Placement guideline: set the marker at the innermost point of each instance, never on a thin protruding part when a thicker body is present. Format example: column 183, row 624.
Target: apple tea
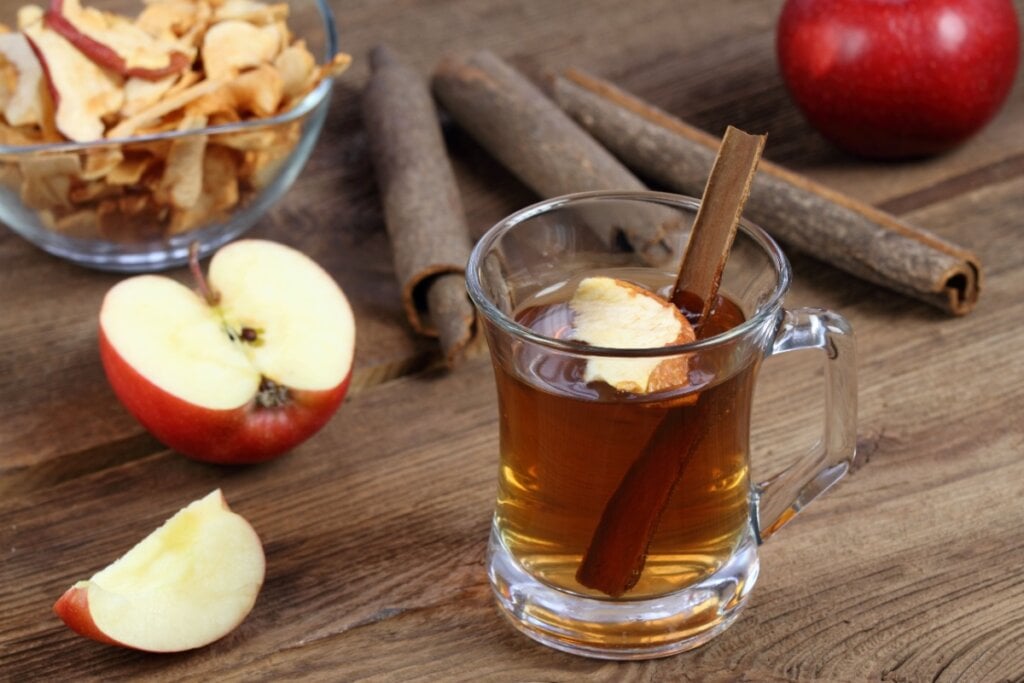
column 572, row 450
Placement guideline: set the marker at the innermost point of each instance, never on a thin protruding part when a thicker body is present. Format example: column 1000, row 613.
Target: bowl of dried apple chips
column 131, row 130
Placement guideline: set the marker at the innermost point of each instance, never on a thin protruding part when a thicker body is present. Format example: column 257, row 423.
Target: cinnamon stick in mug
column 422, row 207
column 618, row 548
column 808, row 216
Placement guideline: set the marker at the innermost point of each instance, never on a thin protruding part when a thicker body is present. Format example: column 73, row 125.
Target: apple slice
column 618, row 314
column 82, row 92
column 113, row 42
column 238, row 376
column 184, row 586
column 24, row 106
column 233, row 45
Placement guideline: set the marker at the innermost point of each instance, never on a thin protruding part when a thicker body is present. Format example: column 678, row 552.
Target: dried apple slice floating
column 114, row 43
column 618, row 314
column 185, row 585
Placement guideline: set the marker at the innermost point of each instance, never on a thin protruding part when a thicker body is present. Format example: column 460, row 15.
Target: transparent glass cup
column 627, row 524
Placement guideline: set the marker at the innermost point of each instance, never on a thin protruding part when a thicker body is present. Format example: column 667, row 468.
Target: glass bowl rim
column 767, row 310
column 299, row 110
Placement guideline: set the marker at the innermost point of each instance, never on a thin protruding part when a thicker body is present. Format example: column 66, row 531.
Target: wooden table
column 375, row 529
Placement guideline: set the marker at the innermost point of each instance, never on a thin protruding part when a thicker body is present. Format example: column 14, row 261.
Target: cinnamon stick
column 422, row 208
column 524, row 130
column 617, row 552
column 806, row 215
column 718, row 218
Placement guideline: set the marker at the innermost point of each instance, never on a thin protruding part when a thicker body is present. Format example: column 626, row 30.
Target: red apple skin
column 54, row 95
column 73, row 610
column 244, row 435
column 898, row 78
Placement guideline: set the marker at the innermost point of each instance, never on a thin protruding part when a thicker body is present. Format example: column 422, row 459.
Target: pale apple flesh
column 242, row 380
column 613, row 313
column 185, row 585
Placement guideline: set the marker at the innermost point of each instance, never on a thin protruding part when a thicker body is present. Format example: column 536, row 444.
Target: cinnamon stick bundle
column 422, row 207
column 524, row 130
column 806, row 215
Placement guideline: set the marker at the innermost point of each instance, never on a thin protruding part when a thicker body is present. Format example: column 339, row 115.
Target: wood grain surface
column 375, row 530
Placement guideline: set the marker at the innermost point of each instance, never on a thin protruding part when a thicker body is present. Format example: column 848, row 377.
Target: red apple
column 242, row 374
column 184, row 586
column 898, row 78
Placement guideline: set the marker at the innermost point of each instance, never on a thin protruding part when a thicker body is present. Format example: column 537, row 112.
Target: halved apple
column 113, row 42
column 184, row 586
column 617, row 314
column 240, row 376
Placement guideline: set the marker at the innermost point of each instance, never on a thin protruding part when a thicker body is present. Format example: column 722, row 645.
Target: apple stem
column 212, row 297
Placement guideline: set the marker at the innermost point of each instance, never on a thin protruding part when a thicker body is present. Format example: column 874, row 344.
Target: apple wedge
column 617, row 314
column 115, row 43
column 184, row 586
column 241, row 374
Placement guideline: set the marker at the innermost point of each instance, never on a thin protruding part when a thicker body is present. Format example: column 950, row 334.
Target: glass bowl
column 49, row 195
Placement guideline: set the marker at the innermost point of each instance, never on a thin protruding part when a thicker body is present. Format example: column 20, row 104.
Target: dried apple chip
column 83, row 92
column 297, row 67
column 220, row 192
column 80, row 223
column 92, row 191
column 46, row 179
column 99, row 162
column 23, row 104
column 232, row 45
column 258, row 91
column 173, row 17
column 130, row 218
column 182, row 181
column 113, row 42
column 171, row 103
column 131, row 168
column 140, row 93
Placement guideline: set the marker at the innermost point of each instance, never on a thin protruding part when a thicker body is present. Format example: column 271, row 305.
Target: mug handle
column 779, row 499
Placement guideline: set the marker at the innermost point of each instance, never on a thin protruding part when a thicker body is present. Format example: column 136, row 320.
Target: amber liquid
column 566, row 446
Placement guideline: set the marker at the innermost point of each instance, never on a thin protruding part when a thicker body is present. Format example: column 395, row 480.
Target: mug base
column 617, row 629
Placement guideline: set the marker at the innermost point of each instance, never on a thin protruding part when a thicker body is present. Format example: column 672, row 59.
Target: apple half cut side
column 241, row 380
column 185, row 585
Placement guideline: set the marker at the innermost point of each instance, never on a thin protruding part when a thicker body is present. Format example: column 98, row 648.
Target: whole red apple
column 241, row 372
column 898, row 78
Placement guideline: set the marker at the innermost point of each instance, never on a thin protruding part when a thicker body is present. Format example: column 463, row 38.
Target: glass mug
column 626, row 524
